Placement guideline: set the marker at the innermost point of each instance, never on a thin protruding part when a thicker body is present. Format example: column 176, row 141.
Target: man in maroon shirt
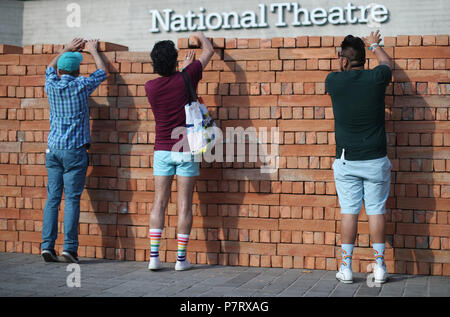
column 167, row 97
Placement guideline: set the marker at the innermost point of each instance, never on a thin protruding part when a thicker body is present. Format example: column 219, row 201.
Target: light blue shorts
column 166, row 163
column 358, row 181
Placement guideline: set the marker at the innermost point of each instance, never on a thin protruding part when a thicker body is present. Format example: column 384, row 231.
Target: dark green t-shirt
column 358, row 105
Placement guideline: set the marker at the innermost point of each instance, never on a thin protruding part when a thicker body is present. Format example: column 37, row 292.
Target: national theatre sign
column 286, row 14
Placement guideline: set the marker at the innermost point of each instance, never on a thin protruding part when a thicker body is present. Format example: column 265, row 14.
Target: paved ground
column 29, row 275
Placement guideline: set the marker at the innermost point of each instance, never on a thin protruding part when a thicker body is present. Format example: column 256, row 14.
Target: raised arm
column 373, row 42
column 75, row 45
column 91, row 47
column 207, row 48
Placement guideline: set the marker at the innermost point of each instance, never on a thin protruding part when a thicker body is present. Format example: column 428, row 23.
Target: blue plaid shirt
column 69, row 108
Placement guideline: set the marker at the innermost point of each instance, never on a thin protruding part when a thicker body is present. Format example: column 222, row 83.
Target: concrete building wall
column 11, row 13
column 127, row 22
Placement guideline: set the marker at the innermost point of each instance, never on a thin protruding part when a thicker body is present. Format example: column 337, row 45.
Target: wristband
column 373, row 47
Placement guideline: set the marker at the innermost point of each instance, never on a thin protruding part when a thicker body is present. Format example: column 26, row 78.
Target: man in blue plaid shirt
column 69, row 138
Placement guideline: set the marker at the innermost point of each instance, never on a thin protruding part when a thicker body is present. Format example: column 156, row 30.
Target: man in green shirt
column 361, row 168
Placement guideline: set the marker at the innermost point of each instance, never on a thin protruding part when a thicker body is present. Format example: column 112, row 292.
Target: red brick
column 43, row 59
column 9, row 59
column 244, row 77
column 422, row 52
column 135, row 79
column 415, row 40
column 314, row 41
column 429, row 40
column 442, row 39
column 231, row 43
column 10, row 49
column 36, row 80
column 402, row 40
column 9, row 80
column 304, row 53
column 250, row 54
column 302, row 41
column 389, row 41
column 110, row 47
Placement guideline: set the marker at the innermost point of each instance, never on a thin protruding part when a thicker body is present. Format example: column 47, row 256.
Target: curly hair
column 354, row 49
column 164, row 56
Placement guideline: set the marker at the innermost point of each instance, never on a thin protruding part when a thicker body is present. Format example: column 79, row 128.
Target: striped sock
column 379, row 253
column 183, row 240
column 155, row 238
column 347, row 253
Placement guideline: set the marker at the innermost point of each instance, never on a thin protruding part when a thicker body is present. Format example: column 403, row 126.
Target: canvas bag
column 199, row 124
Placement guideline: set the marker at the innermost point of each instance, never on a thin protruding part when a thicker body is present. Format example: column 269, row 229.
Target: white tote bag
column 199, row 124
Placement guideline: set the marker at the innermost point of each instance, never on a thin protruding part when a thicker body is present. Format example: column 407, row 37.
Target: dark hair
column 164, row 56
column 354, row 49
column 74, row 73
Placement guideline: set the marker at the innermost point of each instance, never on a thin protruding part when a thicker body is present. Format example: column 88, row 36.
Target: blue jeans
column 66, row 169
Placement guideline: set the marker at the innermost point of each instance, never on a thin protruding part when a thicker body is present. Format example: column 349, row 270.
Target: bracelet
column 373, row 47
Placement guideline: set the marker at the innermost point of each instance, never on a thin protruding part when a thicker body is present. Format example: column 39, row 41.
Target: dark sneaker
column 49, row 256
column 71, row 257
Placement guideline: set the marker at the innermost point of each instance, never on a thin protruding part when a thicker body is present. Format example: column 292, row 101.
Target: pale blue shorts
column 166, row 163
column 362, row 181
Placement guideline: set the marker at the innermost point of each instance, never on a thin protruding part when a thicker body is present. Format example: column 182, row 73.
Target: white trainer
column 155, row 263
column 183, row 265
column 379, row 274
column 345, row 275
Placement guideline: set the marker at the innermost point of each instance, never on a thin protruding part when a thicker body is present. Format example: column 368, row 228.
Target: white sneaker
column 155, row 263
column 379, row 274
column 183, row 265
column 345, row 275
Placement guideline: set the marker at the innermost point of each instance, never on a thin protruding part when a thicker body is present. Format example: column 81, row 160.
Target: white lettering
column 226, row 20
column 201, row 17
column 157, row 18
column 379, row 13
column 336, row 16
column 363, row 14
column 297, row 11
column 280, row 7
column 349, row 10
column 248, row 20
column 319, row 16
column 190, row 17
column 178, row 23
column 263, row 13
column 210, row 18
column 372, row 15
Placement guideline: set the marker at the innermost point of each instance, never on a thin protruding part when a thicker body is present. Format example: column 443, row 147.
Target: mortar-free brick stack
column 287, row 219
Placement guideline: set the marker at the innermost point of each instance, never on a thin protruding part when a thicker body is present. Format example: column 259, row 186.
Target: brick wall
column 288, row 219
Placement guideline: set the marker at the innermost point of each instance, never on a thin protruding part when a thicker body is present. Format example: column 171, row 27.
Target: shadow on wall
column 207, row 222
column 414, row 139
column 102, row 181
column 223, row 221
column 220, row 191
column 232, row 192
column 114, row 179
column 413, row 208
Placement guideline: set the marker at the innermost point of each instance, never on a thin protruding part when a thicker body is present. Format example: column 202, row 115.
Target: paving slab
column 27, row 275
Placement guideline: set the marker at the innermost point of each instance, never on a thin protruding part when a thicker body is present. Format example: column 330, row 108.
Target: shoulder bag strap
column 192, row 95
